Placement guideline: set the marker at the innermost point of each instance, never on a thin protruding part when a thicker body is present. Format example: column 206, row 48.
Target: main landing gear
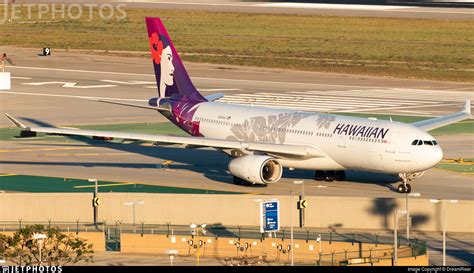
column 329, row 176
column 407, row 177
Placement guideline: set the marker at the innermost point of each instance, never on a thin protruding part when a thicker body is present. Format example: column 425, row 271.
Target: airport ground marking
column 105, row 185
column 332, row 6
column 68, row 96
column 203, row 78
column 104, row 154
column 69, row 85
column 48, row 149
column 219, row 89
column 129, row 82
column 454, row 172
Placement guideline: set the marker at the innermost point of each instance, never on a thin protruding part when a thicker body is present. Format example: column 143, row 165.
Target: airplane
column 263, row 141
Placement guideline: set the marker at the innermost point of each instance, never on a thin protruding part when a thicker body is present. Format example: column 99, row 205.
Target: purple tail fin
column 171, row 76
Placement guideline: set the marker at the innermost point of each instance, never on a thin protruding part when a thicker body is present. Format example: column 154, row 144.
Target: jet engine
column 257, row 169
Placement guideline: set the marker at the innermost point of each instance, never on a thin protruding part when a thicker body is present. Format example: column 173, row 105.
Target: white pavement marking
column 330, row 6
column 21, row 78
column 207, row 79
column 80, row 71
column 128, row 82
column 405, row 94
column 68, row 96
column 70, row 85
column 219, row 89
column 350, row 101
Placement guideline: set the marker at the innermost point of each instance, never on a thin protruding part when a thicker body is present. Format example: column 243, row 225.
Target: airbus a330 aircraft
column 262, row 141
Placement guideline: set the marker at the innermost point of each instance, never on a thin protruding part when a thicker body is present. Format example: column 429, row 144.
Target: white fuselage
column 349, row 142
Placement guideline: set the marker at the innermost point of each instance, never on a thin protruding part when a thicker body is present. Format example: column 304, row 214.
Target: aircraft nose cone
column 436, row 155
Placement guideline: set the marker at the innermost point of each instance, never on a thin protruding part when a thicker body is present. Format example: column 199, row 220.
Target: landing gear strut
column 407, row 177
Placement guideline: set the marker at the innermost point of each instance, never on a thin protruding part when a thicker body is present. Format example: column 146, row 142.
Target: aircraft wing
column 434, row 123
column 282, row 150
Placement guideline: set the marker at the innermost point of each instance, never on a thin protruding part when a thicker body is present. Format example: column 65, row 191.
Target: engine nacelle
column 257, row 169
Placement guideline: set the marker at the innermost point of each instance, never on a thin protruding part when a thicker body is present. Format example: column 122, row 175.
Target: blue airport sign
column 270, row 216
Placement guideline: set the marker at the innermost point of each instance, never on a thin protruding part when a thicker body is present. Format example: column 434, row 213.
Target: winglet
column 16, row 122
column 467, row 107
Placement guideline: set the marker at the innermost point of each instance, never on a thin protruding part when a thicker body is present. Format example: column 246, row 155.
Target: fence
column 308, row 234
column 376, row 249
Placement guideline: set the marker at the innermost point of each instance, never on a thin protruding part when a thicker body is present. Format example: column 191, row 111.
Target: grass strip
column 409, row 48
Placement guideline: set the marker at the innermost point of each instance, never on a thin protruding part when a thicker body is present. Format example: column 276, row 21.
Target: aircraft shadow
column 381, row 179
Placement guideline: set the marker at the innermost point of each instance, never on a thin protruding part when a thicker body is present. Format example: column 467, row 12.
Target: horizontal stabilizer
column 431, row 124
column 16, row 122
column 214, row 97
column 130, row 104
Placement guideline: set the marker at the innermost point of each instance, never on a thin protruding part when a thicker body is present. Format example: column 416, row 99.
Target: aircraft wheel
column 340, row 175
column 408, row 188
column 319, row 175
column 330, row 176
column 402, row 188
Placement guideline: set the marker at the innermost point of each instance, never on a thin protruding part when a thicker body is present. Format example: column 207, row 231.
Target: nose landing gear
column 407, row 177
column 404, row 188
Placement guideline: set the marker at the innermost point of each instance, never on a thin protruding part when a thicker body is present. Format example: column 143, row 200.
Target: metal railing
column 113, row 229
column 213, row 230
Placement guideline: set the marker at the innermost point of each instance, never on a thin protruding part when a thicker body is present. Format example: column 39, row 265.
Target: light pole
column 94, row 196
column 395, row 237
column 291, row 228
column 298, row 182
column 133, row 204
column 301, row 198
column 195, row 231
column 319, row 240
column 413, row 194
column 443, row 215
column 39, row 237
column 171, row 253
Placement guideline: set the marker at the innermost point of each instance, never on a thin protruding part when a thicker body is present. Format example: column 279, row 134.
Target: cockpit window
column 425, row 142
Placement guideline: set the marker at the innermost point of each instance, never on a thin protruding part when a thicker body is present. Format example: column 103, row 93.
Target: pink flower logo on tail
column 156, row 47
